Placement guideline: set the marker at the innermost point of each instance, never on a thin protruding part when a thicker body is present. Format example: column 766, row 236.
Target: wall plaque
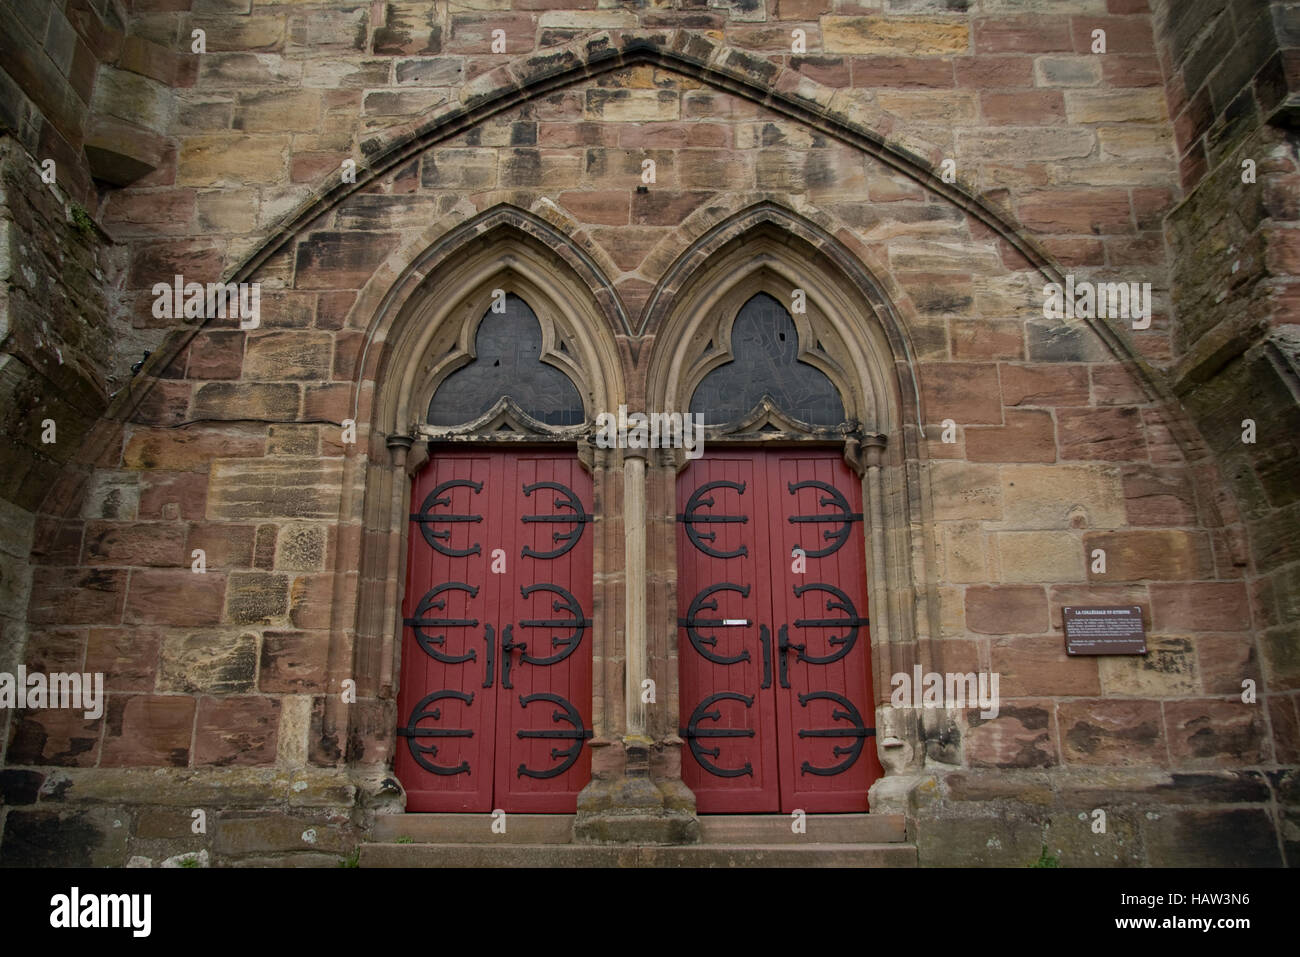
column 1104, row 630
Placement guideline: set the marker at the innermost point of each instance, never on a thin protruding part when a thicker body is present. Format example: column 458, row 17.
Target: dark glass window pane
column 508, row 349
column 765, row 345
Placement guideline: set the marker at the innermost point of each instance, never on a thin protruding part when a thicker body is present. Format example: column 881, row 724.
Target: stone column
column 629, row 807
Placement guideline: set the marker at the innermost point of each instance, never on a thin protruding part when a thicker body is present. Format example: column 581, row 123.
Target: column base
column 628, row 807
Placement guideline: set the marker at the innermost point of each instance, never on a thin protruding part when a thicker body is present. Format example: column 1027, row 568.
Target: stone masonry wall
column 220, row 683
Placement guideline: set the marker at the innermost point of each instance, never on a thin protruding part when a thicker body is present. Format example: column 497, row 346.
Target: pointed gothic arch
column 423, row 330
column 770, row 250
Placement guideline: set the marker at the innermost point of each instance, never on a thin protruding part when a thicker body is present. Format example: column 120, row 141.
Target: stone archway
column 850, row 332
column 422, row 331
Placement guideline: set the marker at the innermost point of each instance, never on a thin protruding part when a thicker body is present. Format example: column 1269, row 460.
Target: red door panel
column 725, row 642
column 549, row 698
column 828, row 756
column 490, row 550
column 805, row 661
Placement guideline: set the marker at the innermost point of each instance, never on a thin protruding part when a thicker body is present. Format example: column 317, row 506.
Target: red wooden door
column 495, row 700
column 777, row 708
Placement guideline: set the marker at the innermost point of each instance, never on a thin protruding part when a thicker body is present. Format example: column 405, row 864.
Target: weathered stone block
column 1112, row 732
column 1061, row 496
column 1051, row 556
column 267, row 832
column 232, row 161
column 275, row 490
column 1006, row 610
column 211, row 662
column 1040, row 666
column 1200, row 606
column 1167, row 670
column 174, row 597
column 1160, row 555
column 1023, row 736
column 149, row 730
column 295, row 662
column 1213, row 733
column 255, row 597
column 232, row 401
column 236, row 731
column 1239, row 837
column 137, row 543
column 913, row 36
column 93, row 837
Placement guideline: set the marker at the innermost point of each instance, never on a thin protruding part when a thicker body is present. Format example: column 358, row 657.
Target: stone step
column 472, row 829
column 691, row 855
column 763, row 829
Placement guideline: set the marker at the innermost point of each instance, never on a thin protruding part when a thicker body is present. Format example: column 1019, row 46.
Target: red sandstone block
column 1213, row 733
column 175, row 597
column 225, row 546
column 1023, row 108
column 870, row 72
column 1158, row 496
column 1073, row 251
column 1040, row 666
column 237, row 731
column 994, row 72
column 59, row 649
column 1077, row 211
column 1044, row 385
column 1108, row 434
column 333, row 402
column 66, row 596
column 987, row 339
column 148, row 730
column 665, row 208
column 60, row 736
column 1112, row 731
column 1200, row 606
column 127, row 657
column 173, row 495
column 332, row 309
column 1123, row 34
column 966, row 392
column 134, row 543
column 1156, row 554
column 472, row 33
column 295, row 662
column 832, row 71
column 1006, row 609
column 56, row 542
column 1024, row 34
column 1130, row 71
column 562, row 135
column 1028, row 436
column 1284, row 716
column 340, row 260
column 216, row 355
column 1023, row 735
column 604, row 207
column 196, row 260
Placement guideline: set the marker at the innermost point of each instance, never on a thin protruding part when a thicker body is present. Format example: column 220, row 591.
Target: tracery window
column 507, row 364
column 765, row 363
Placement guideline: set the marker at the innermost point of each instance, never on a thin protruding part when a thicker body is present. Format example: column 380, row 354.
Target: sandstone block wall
column 1070, row 437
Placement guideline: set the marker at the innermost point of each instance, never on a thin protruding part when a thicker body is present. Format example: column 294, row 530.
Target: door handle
column 507, row 646
column 784, row 647
column 490, row 638
column 765, row 639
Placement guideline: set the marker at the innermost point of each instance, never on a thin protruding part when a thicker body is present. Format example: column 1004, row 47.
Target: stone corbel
column 864, row 450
